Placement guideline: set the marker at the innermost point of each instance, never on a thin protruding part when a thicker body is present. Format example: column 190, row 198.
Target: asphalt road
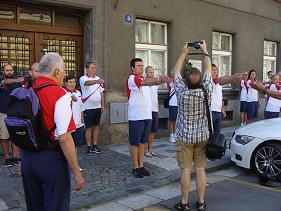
column 239, row 193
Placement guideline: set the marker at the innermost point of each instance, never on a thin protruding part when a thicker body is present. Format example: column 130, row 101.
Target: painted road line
column 253, row 185
column 3, row 205
column 166, row 192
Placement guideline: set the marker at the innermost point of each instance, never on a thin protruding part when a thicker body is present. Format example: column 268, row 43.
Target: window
column 35, row 16
column 222, row 52
column 151, row 44
column 7, row 13
column 269, row 57
column 15, row 50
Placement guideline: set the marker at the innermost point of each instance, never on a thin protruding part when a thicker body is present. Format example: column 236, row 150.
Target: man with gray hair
column 45, row 174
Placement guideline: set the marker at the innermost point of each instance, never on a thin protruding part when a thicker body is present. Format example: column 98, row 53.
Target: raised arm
column 206, row 59
column 180, row 62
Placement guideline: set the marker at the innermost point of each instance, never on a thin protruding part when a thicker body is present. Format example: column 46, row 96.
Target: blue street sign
column 128, row 18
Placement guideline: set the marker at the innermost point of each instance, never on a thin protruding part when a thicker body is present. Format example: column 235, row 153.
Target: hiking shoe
column 89, row 151
column 144, row 172
column 201, row 206
column 15, row 161
column 96, row 150
column 9, row 162
column 154, row 154
column 137, row 173
column 172, row 138
column 180, row 206
column 148, row 154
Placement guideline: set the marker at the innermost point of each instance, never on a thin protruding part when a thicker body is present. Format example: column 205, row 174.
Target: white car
column 258, row 146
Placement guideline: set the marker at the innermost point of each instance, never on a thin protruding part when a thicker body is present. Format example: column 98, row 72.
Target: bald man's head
column 33, row 71
column 149, row 72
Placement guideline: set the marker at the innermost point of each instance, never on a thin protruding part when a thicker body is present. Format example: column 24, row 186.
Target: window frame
column 268, row 57
column 223, row 53
column 149, row 47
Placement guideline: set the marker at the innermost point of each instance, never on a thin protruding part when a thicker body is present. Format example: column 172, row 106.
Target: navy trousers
column 46, row 181
column 217, row 119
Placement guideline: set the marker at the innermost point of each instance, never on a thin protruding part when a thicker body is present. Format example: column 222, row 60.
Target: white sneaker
column 172, row 138
column 242, row 124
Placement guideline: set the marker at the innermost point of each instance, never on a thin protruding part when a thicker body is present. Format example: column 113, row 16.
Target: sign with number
column 128, row 18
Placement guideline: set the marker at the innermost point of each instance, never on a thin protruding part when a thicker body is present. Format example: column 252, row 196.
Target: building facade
column 241, row 35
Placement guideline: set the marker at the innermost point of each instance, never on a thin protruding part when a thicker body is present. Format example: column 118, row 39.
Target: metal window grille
column 68, row 50
column 15, row 50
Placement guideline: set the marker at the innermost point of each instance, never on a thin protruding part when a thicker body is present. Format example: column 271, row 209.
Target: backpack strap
column 42, row 86
column 173, row 93
column 206, row 102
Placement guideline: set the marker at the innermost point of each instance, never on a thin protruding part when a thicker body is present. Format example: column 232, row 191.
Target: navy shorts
column 271, row 115
column 92, row 117
column 154, row 126
column 173, row 112
column 243, row 106
column 252, row 110
column 139, row 131
column 79, row 136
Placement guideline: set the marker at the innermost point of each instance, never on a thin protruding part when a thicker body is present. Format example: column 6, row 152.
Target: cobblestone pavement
column 108, row 176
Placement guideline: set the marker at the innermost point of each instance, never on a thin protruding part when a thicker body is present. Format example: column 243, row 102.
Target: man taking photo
column 192, row 125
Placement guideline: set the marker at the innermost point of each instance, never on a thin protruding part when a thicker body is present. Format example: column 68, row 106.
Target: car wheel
column 267, row 160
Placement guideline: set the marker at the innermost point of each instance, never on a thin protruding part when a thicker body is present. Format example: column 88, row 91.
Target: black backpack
column 25, row 121
column 215, row 148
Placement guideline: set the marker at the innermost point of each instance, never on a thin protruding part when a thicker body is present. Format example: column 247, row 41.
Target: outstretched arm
column 9, row 81
column 206, row 59
column 260, row 87
column 230, row 79
column 179, row 64
column 155, row 81
column 93, row 82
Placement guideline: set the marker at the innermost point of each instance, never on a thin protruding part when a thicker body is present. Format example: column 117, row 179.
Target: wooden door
column 68, row 46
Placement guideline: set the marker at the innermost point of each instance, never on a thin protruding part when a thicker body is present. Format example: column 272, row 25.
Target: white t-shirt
column 253, row 95
column 243, row 90
column 94, row 101
column 216, row 104
column 154, row 98
column 77, row 108
column 173, row 101
column 273, row 105
column 139, row 99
